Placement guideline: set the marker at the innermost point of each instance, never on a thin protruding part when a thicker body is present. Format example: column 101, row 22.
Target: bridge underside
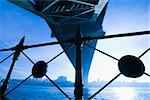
column 64, row 17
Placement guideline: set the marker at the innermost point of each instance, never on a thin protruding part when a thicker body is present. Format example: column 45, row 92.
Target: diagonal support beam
column 17, row 85
column 144, row 53
column 60, row 54
column 147, row 74
column 77, row 15
column 105, row 86
column 54, row 2
column 28, row 58
column 84, row 3
column 6, row 58
column 57, row 87
column 102, row 52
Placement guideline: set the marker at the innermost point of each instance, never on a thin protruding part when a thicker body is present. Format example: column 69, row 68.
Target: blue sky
column 122, row 16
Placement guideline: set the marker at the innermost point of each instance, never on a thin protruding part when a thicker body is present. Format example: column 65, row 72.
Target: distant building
column 61, row 79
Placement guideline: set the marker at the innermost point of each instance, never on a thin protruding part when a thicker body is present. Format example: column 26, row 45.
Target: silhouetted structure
column 76, row 24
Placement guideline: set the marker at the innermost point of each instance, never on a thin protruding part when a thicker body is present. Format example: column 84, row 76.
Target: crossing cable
column 50, row 59
column 17, row 86
column 28, row 57
column 58, row 87
column 105, row 86
column 118, row 74
column 45, row 75
column 6, row 58
column 144, row 53
column 147, row 74
column 102, row 52
column 60, row 53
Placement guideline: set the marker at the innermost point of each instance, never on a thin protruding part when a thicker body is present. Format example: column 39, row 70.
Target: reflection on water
column 51, row 93
column 86, row 93
column 125, row 93
column 122, row 93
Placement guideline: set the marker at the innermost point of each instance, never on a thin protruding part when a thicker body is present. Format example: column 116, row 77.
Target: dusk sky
column 122, row 16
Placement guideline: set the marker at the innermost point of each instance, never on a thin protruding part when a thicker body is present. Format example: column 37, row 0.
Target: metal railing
column 19, row 48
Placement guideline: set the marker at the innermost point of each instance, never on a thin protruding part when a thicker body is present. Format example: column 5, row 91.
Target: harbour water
column 52, row 93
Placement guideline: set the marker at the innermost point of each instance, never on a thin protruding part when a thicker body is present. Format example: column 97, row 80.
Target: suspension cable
column 60, row 53
column 105, row 86
column 102, row 52
column 28, row 58
column 58, row 87
column 6, row 58
column 17, row 85
column 147, row 74
column 144, row 53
